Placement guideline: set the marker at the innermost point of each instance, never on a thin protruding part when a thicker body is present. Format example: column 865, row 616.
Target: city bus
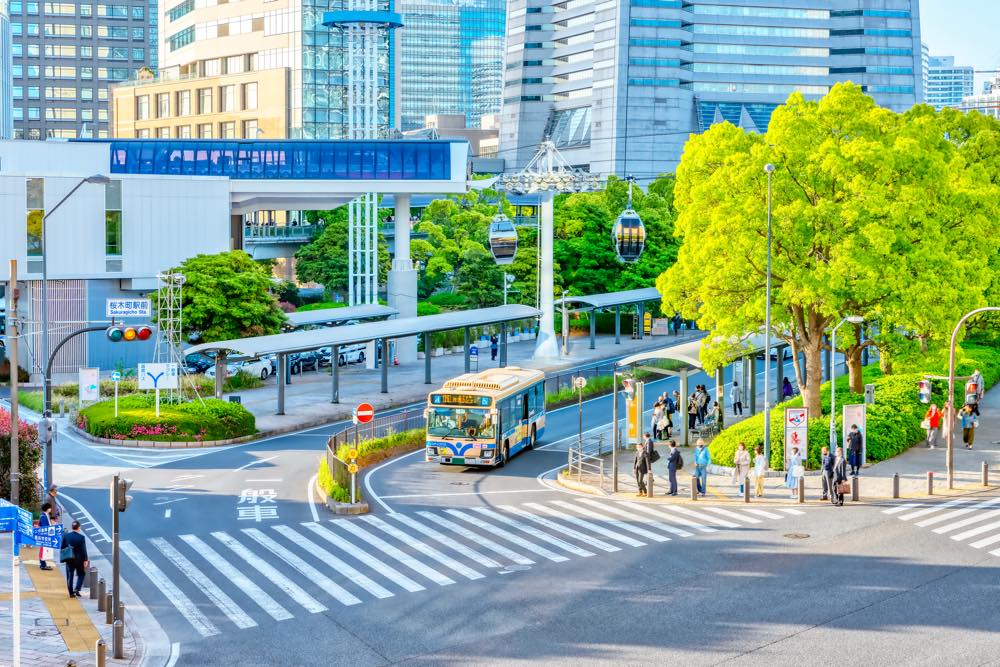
column 483, row 419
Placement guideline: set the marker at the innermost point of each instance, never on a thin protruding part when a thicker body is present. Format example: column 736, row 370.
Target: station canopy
column 611, row 299
column 689, row 354
column 339, row 315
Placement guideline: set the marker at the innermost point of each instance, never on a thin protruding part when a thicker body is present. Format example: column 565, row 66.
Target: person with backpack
column 675, row 462
column 654, row 424
column 855, row 444
column 76, row 560
column 692, row 411
column 969, row 423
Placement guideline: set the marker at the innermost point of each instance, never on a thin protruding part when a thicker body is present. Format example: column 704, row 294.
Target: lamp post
column 96, row 179
column 853, row 319
column 768, row 169
column 950, row 400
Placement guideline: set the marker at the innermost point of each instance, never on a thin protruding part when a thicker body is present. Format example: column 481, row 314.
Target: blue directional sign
column 473, row 351
column 25, row 530
column 48, row 536
column 8, row 516
column 116, row 376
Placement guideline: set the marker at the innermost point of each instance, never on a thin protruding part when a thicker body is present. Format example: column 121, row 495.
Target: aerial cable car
column 628, row 235
column 502, row 237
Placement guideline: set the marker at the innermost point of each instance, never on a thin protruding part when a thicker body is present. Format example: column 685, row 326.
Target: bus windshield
column 460, row 423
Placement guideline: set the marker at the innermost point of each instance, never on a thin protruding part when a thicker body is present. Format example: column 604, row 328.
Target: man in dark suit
column 673, row 461
column 854, row 447
column 826, row 466
column 641, row 467
column 78, row 564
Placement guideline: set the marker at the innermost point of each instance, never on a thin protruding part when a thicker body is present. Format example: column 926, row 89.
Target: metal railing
column 377, row 428
column 279, row 233
column 554, row 383
column 581, row 463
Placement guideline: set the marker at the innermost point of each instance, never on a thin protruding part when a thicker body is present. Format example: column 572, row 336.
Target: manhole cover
column 510, row 569
column 796, row 536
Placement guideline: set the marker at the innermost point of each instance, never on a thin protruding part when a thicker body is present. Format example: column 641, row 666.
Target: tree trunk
column 885, row 361
column 854, row 368
column 814, row 377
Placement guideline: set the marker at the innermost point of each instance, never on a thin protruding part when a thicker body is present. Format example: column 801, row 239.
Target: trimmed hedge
column 377, row 449
column 330, row 485
column 194, row 421
column 893, row 421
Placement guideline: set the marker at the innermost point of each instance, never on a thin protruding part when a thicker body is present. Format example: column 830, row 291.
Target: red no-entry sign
column 364, row 413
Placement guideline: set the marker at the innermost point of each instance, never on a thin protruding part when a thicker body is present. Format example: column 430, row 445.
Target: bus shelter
column 595, row 302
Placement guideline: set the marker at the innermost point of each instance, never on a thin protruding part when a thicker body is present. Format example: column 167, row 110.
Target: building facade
column 987, row 102
column 452, row 59
column 65, row 57
column 620, row 86
column 6, row 80
column 947, row 83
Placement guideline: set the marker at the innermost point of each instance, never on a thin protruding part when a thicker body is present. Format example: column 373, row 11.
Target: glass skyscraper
column 947, row 84
column 451, row 59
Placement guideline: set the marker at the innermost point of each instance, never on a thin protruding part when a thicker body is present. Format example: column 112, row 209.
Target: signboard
column 8, row 516
column 473, row 351
column 158, row 376
column 116, row 376
column 856, row 414
column 797, row 431
column 579, row 382
column 90, row 384
column 923, row 391
column 661, row 327
column 633, row 415
column 460, row 399
column 364, row 413
column 48, row 536
column 352, row 453
column 129, row 308
column 24, row 528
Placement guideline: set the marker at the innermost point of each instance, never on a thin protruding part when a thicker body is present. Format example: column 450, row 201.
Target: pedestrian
column 977, row 378
column 786, row 389
column 972, row 396
column 793, row 471
column 494, row 346
column 665, row 424
column 702, row 404
column 839, row 476
column 969, row 423
column 44, row 522
column 736, row 398
column 741, row 463
column 759, row 472
column 56, row 512
column 714, row 415
column 655, row 419
column 640, row 467
column 702, row 459
column 932, row 424
column 826, row 466
column 692, row 411
column 854, row 449
column 674, row 463
column 78, row 563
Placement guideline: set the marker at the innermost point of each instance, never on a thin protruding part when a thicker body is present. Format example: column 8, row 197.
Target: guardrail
column 554, row 383
column 583, row 463
column 377, row 428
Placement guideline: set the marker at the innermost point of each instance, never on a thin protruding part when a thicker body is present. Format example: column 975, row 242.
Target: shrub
column 209, row 420
column 450, row 300
column 331, row 487
column 376, row 449
column 31, row 400
column 30, row 456
column 424, row 308
column 241, row 381
column 322, row 305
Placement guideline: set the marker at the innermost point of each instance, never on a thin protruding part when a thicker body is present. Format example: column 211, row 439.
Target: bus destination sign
column 460, row 399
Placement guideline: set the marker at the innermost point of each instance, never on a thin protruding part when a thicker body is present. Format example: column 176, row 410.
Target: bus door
column 524, row 432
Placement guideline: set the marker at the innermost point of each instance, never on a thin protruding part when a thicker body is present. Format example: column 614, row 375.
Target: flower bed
column 194, row 421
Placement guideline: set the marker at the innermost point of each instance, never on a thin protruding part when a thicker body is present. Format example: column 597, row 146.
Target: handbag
column 798, row 471
column 65, row 554
column 654, row 456
column 843, row 488
column 925, row 424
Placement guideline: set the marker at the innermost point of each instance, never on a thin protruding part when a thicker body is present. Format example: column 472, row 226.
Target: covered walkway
column 594, row 302
column 354, row 334
column 339, row 315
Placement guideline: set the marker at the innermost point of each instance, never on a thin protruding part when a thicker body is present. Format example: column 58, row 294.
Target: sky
column 966, row 29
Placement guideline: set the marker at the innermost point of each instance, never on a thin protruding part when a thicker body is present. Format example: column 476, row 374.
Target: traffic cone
column 395, row 357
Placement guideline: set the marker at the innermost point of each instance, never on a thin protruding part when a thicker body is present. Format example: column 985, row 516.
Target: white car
column 349, row 354
column 258, row 367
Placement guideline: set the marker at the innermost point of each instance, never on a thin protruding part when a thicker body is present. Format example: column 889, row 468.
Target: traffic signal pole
column 12, row 340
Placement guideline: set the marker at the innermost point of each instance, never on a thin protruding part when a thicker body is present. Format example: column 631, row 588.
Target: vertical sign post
column 90, row 384
column 157, row 377
column 116, row 377
column 796, row 432
column 363, row 414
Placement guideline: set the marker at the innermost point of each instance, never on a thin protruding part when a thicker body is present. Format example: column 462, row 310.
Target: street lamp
column 768, row 169
column 96, row 179
column 853, row 319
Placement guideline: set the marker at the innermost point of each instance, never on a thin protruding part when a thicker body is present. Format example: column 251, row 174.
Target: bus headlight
column 487, row 453
column 432, row 451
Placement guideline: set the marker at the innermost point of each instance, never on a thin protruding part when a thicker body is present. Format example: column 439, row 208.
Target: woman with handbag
column 931, row 424
column 839, row 478
column 795, row 470
column 742, row 465
column 44, row 521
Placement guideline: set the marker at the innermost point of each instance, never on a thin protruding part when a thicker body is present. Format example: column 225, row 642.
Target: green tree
column 875, row 214
column 227, row 296
column 324, row 259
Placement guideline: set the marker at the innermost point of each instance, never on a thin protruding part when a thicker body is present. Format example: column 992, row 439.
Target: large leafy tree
column 324, row 259
column 227, row 296
column 875, row 214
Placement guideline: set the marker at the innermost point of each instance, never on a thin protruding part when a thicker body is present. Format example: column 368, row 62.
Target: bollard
column 121, row 612
column 746, row 489
column 802, row 489
column 649, row 484
column 986, row 473
column 62, row 407
column 930, row 482
column 895, row 485
column 109, row 611
column 92, row 582
column 101, row 595
column 101, row 651
column 855, row 489
column 118, row 639
column 694, row 487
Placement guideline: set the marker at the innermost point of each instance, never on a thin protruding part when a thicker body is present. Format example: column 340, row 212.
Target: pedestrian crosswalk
column 243, row 579
column 972, row 521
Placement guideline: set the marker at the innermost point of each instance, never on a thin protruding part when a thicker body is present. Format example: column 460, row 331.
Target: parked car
column 303, row 361
column 258, row 367
column 198, row 363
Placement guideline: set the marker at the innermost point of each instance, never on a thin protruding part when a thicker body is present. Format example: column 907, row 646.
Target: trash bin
column 236, row 399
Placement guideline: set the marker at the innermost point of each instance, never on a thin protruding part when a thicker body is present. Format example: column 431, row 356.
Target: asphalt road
column 460, row 566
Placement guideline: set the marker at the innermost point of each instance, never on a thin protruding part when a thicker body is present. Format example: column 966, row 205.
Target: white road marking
column 166, row 513
column 368, row 485
column 683, row 520
column 268, row 479
column 225, row 603
column 427, row 550
column 613, row 508
column 620, row 525
column 97, row 527
column 465, row 493
column 391, row 551
column 587, row 525
column 534, row 532
column 934, row 508
column 789, row 510
column 175, row 653
column 956, row 513
column 202, row 625
column 976, row 531
column 977, row 518
column 764, row 513
column 329, row 559
column 291, row 589
column 733, row 515
column 255, row 462
column 374, row 563
column 471, row 554
column 993, row 539
column 575, row 534
column 507, row 535
column 183, row 477
column 706, row 518
column 253, row 591
column 317, row 577
column 167, row 502
column 902, row 508
column 310, row 494
column 477, row 538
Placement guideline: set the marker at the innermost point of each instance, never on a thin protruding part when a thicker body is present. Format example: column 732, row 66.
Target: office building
column 6, row 80
column 67, row 54
column 451, row 59
column 620, row 86
column 947, row 84
column 987, row 102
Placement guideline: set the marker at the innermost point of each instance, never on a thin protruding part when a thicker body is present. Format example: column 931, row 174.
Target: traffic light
column 117, row 333
column 122, row 499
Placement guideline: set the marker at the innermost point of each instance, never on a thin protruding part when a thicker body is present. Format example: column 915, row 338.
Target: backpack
column 680, row 460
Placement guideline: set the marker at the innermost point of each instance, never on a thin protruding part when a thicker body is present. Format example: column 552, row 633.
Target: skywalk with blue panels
column 284, row 160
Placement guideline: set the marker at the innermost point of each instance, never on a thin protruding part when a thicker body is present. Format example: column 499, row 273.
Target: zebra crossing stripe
column 586, row 525
column 995, row 552
column 707, row 518
column 956, row 513
column 374, row 563
column 992, row 539
column 977, row 518
column 509, row 536
column 976, row 531
column 764, row 513
column 253, row 591
column 569, row 532
column 534, row 532
column 391, row 551
column 440, row 538
column 477, row 538
column 733, row 515
column 670, row 528
column 340, row 566
column 202, row 625
column 225, row 603
column 291, row 589
column 789, row 510
column 620, row 525
column 683, row 520
column 334, row 589
column 902, row 508
column 933, row 508
column 425, row 549
column 614, row 508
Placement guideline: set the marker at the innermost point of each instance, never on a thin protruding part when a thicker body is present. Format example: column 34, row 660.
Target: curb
column 162, row 444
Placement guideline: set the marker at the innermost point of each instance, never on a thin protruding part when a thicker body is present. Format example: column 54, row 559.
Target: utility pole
column 12, row 340
column 120, row 500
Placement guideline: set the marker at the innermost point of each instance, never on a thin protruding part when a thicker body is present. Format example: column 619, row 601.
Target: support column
column 684, row 408
column 402, row 287
column 427, row 358
column 220, row 372
column 642, row 319
column 720, row 393
column 593, row 328
column 618, row 325
column 779, row 376
column 468, row 361
column 546, row 347
column 335, row 374
column 503, row 344
column 752, row 364
column 282, row 369
column 385, row 365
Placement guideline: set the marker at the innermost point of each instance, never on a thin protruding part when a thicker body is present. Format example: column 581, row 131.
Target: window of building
column 184, row 132
column 138, row 34
column 86, row 31
column 163, row 133
column 15, row 7
column 60, row 93
column 32, row 8
column 142, row 107
column 18, row 115
column 138, row 12
column 183, row 102
column 86, row 52
column 112, row 52
column 87, row 73
column 162, row 105
column 17, row 71
column 205, row 131
column 138, row 54
column 60, row 8
column 250, row 129
column 236, row 64
column 102, row 93
column 204, row 100
column 113, row 11
column 113, row 219
column 59, row 113
column 35, row 204
column 86, row 93
column 60, row 51
column 112, row 31
column 34, row 71
column 249, row 96
column 17, row 50
column 34, row 92
column 86, row 10
column 33, row 50
column 34, row 113
column 212, row 67
column 57, row 29
column 18, row 92
column 142, row 134
column 86, row 114
column 102, row 115
column 60, row 72
column 112, row 73
column 227, row 98
column 180, row 10
column 227, row 130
